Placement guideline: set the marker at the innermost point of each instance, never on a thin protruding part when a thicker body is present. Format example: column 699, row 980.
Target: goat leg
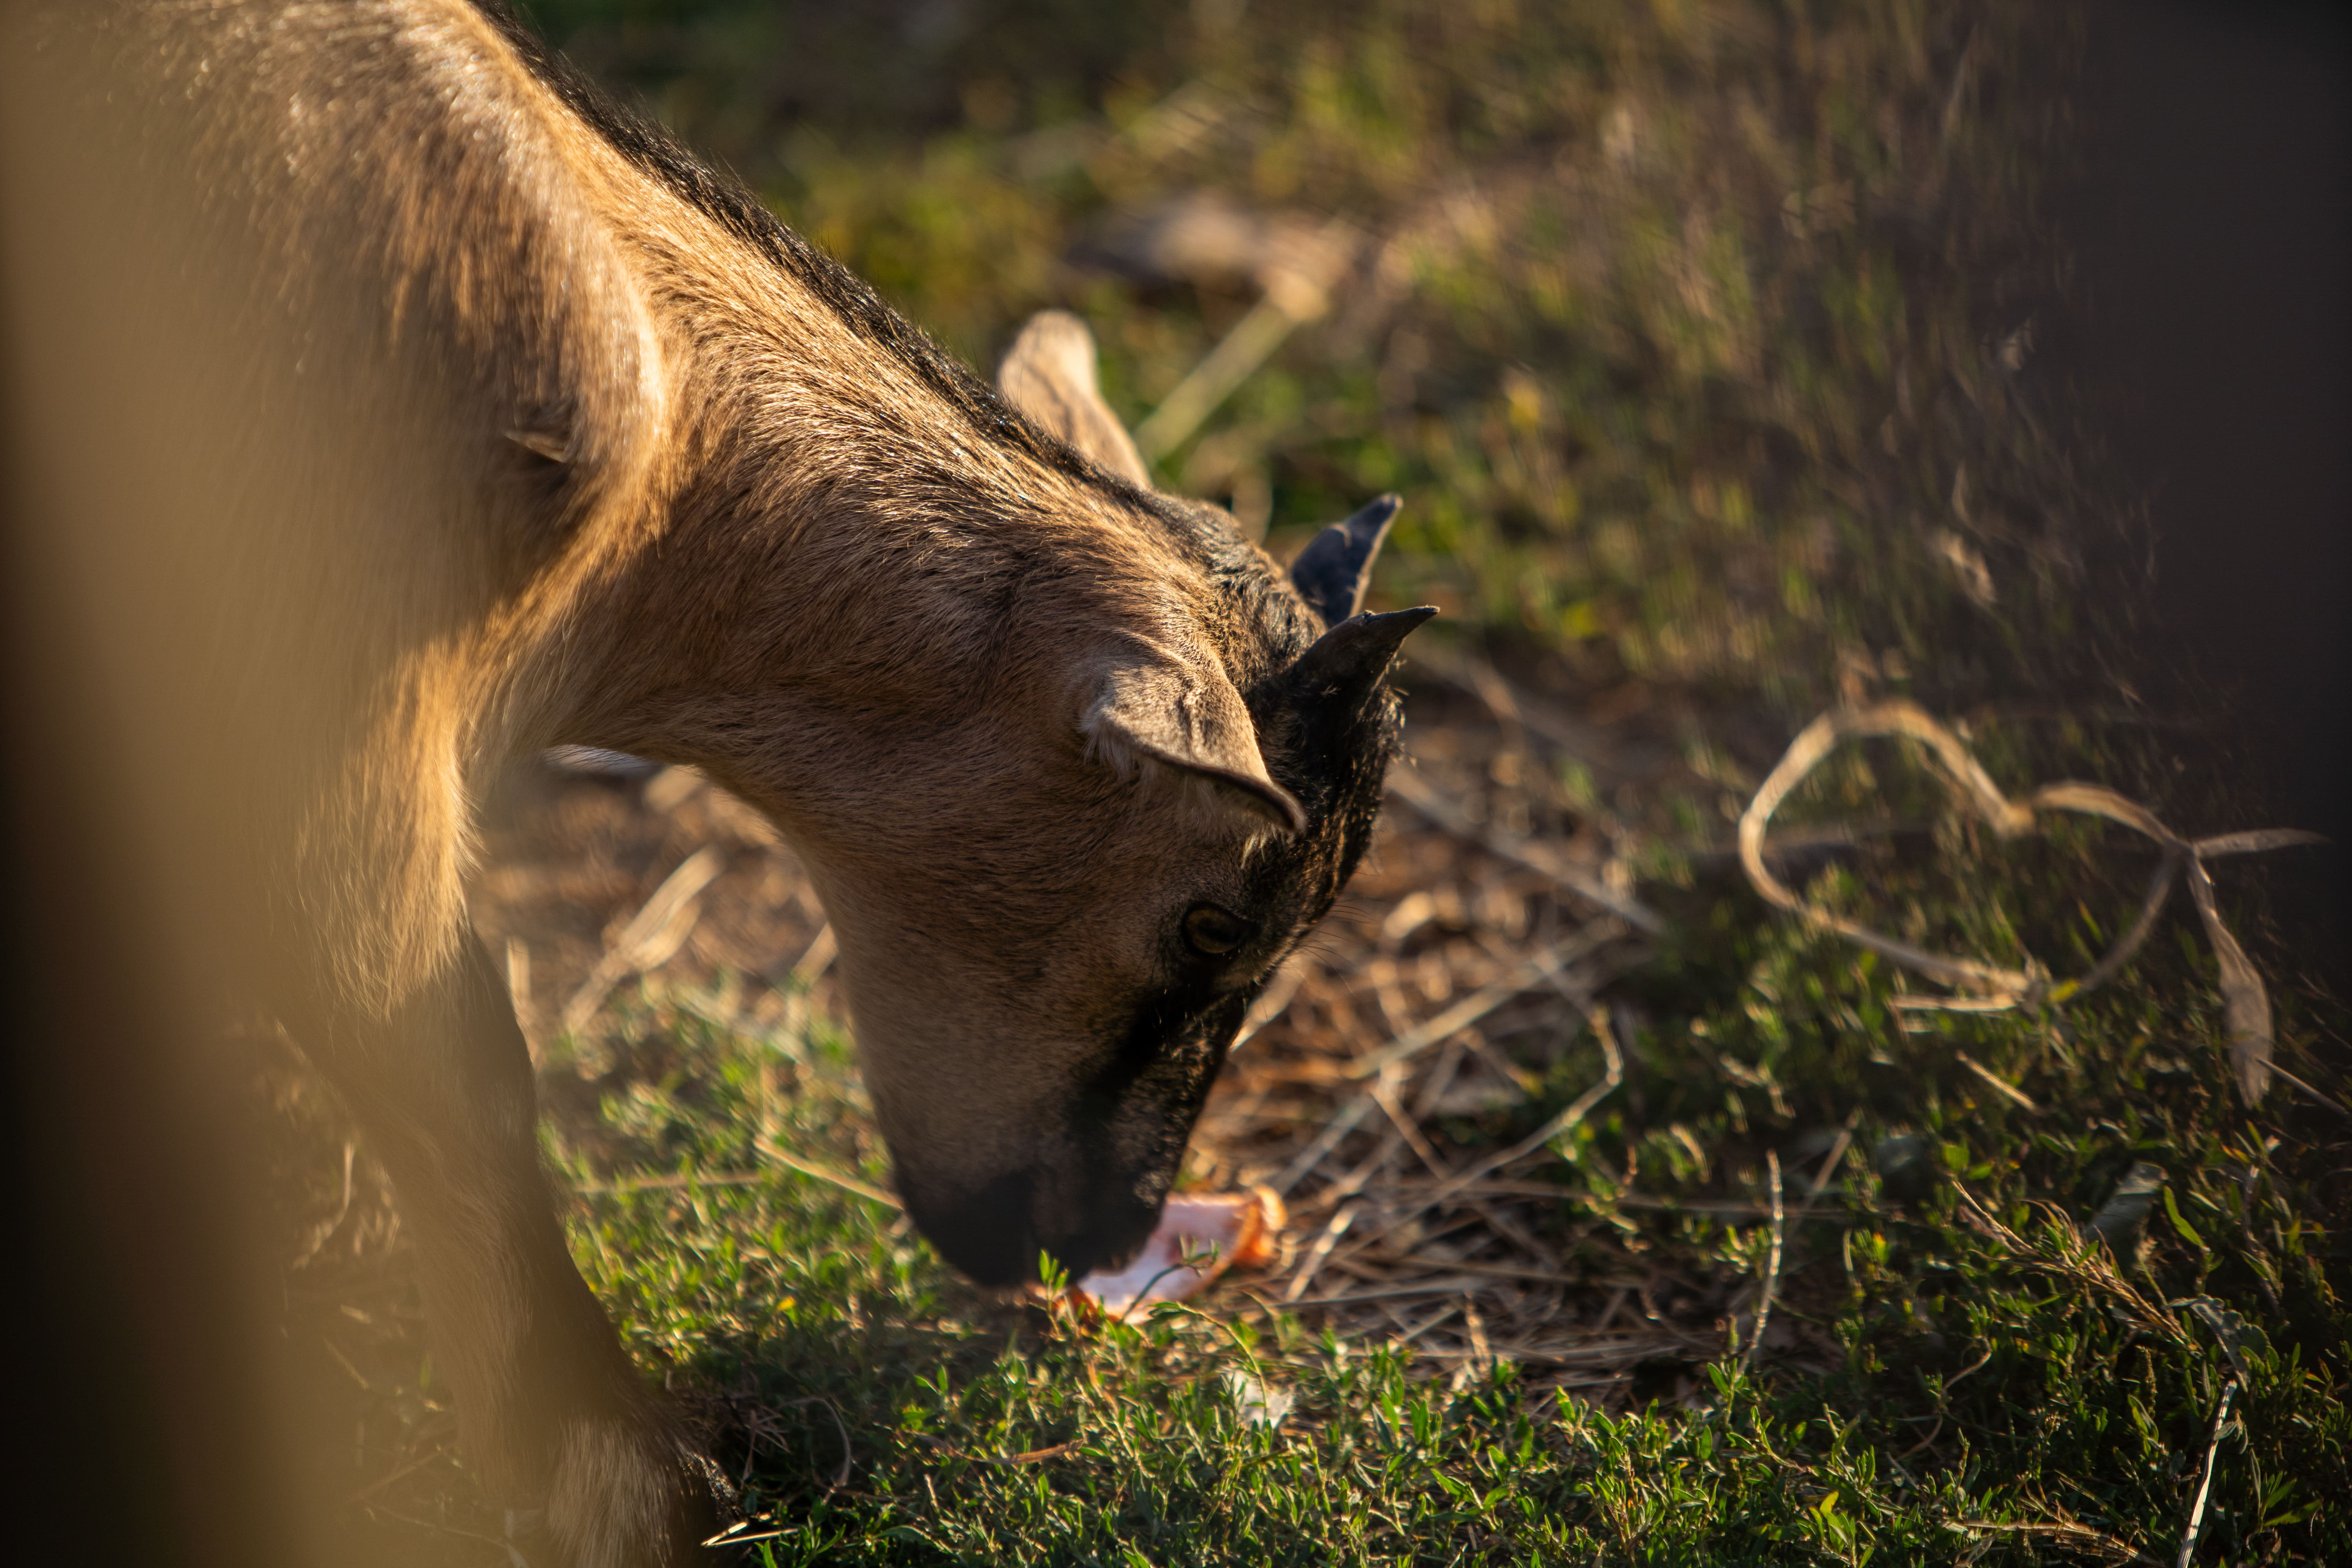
column 562, row 1428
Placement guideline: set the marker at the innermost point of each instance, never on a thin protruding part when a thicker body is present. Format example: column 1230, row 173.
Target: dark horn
column 1352, row 656
column 1331, row 572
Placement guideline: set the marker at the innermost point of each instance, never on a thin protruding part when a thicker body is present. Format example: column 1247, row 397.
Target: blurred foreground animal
column 388, row 405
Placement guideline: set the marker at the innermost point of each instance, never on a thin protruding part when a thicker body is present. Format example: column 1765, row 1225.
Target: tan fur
column 1049, row 375
column 395, row 423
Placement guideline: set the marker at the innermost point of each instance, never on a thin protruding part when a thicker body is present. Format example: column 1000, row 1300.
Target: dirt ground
column 1471, row 948
column 1463, row 947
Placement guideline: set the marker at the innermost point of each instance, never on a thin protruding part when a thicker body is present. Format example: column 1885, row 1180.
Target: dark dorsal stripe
column 1233, row 566
column 726, row 202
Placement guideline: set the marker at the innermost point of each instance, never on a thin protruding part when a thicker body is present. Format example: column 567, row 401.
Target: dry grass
column 1450, row 1007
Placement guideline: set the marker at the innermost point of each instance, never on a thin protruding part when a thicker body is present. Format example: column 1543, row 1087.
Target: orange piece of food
column 1214, row 1230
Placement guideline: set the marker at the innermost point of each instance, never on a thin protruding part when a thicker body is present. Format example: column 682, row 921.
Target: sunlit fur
column 400, row 408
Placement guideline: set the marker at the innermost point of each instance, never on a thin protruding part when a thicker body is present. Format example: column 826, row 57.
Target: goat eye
column 1213, row 931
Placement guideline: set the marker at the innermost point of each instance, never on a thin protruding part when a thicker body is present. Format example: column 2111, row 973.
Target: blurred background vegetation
column 1691, row 331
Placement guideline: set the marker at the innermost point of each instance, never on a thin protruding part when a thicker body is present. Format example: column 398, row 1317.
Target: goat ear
column 1191, row 717
column 1049, row 375
column 1332, row 572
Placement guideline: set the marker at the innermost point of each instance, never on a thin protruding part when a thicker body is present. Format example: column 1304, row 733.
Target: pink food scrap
column 1215, row 1229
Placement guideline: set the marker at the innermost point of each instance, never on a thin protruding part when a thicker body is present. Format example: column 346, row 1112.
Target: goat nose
column 993, row 1230
column 984, row 1229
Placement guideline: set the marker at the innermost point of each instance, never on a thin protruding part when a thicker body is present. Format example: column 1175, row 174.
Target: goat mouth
column 994, row 1231
column 1109, row 1243
column 1083, row 1261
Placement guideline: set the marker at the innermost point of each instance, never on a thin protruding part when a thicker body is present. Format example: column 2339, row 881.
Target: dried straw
column 1987, row 988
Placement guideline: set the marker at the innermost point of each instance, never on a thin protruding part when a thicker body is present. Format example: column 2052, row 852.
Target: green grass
column 1980, row 1377
column 1698, row 359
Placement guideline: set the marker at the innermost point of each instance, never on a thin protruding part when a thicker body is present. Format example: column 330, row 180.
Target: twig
column 2306, row 1089
column 1500, row 1221
column 672, row 1184
column 1771, row 1264
column 1837, row 1156
column 1271, row 1004
column 815, row 958
column 1033, row 1456
column 2245, row 1005
column 1318, row 1254
column 1437, row 1285
column 1489, row 1270
column 502, row 1542
column 1445, row 1310
column 403, row 1473
column 767, row 1151
column 2066, row 1533
column 1613, row 1075
column 1333, row 1132
column 1987, row 987
column 2089, row 1267
column 342, row 1211
column 1720, row 1209
column 1440, row 1082
column 1799, row 843
column 1424, row 798
column 2205, row 1487
column 1384, row 1094
column 2160, row 879
column 667, row 915
column 519, row 981
column 1253, row 337
column 1933, row 1433
column 1287, row 303
column 728, row 1537
column 1511, row 706
column 1472, row 1008
column 1973, row 1368
column 1544, row 965
column 839, row 1426
column 1482, row 1349
column 2007, row 1090
column 842, row 1179
column 1541, row 1136
column 1814, row 743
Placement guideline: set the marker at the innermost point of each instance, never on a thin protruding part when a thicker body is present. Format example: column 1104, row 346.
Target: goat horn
column 1330, row 574
column 1346, row 659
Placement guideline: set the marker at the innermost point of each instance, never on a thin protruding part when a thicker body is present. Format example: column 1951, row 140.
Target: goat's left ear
column 1188, row 716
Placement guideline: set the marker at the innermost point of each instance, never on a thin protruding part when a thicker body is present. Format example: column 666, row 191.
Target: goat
column 395, row 406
